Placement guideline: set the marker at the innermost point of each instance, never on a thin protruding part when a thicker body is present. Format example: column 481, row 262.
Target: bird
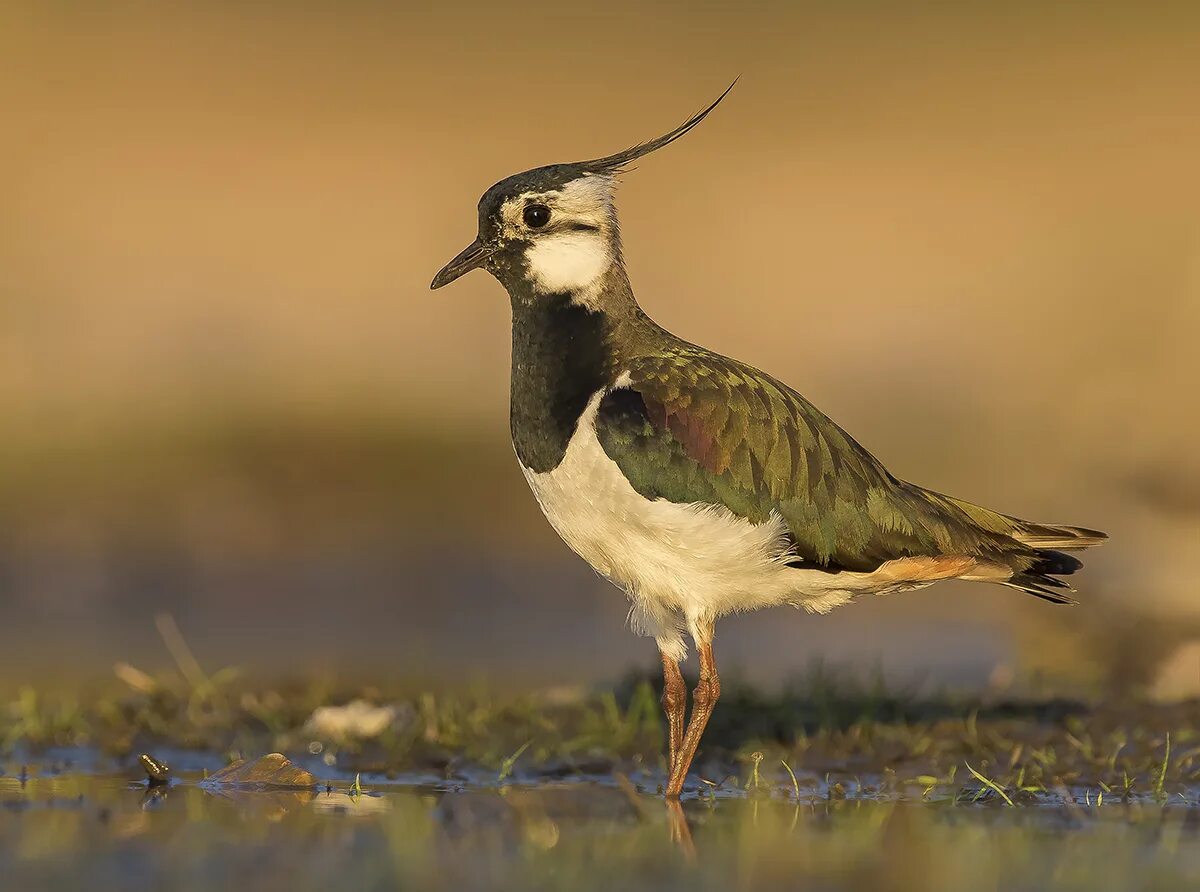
column 697, row 484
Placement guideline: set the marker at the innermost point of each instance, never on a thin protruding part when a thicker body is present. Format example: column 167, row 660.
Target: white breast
column 678, row 563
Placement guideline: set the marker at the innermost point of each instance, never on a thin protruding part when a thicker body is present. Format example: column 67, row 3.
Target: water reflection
column 580, row 835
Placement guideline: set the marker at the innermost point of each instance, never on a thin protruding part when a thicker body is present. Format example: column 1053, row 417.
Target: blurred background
column 970, row 234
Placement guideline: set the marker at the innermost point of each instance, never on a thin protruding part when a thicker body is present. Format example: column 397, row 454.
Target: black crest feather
column 613, row 163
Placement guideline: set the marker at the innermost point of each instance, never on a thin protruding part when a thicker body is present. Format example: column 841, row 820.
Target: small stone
column 273, row 770
column 157, row 773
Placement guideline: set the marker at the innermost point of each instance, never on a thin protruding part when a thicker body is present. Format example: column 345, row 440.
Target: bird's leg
column 674, row 704
column 704, row 698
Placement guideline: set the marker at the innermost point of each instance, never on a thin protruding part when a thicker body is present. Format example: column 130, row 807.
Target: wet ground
column 827, row 785
column 61, row 824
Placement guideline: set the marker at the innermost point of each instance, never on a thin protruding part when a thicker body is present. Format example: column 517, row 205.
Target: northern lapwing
column 699, row 485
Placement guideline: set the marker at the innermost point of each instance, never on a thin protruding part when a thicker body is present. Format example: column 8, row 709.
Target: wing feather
column 692, row 426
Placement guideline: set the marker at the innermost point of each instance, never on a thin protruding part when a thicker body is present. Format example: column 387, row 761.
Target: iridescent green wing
column 693, row 426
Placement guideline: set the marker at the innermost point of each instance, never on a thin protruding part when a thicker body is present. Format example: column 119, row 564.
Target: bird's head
column 553, row 229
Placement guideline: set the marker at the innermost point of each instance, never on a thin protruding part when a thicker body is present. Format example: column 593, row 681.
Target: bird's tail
column 1039, row 551
column 1050, row 543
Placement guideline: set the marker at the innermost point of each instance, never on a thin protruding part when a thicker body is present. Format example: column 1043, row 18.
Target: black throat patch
column 561, row 355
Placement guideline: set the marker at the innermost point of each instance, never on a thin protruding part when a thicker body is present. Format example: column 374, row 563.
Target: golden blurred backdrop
column 969, row 233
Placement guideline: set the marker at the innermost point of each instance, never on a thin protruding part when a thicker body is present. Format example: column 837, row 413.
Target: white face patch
column 568, row 261
column 579, row 243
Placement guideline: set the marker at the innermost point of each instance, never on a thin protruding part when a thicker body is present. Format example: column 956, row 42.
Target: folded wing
column 693, row 426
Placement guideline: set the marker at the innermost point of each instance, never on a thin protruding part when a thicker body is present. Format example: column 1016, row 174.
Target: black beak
column 471, row 257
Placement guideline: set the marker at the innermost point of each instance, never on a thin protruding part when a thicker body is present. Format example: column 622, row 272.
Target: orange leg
column 674, row 703
column 704, row 698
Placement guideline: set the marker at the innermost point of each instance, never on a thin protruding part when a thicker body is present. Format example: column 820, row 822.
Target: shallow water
column 59, row 827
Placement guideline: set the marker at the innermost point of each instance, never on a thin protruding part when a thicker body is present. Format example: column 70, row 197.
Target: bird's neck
column 565, row 348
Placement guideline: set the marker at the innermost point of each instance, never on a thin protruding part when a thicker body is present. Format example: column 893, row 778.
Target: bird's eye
column 536, row 215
